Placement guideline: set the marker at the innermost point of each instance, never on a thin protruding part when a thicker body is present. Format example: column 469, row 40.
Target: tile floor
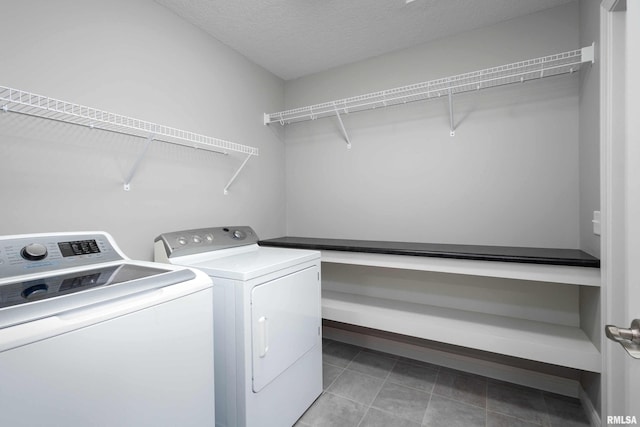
column 364, row 388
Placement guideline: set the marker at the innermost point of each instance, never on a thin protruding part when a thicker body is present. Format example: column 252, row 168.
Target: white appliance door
column 285, row 323
column 140, row 361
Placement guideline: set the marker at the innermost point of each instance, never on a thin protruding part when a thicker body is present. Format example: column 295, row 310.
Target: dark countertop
column 568, row 257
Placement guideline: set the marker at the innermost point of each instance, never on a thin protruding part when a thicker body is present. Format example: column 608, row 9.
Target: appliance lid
column 31, row 298
column 25, row 291
column 247, row 263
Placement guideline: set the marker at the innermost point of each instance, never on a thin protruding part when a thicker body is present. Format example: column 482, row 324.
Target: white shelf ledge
column 22, row 102
column 510, row 270
column 543, row 342
column 519, row 72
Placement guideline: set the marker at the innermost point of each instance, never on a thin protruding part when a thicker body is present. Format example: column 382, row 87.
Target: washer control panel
column 188, row 242
column 27, row 254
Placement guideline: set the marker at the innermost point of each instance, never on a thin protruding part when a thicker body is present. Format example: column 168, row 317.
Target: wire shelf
column 22, row 102
column 518, row 72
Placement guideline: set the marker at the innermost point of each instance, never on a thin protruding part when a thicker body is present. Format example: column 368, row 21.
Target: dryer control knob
column 238, row 234
column 35, row 291
column 34, row 252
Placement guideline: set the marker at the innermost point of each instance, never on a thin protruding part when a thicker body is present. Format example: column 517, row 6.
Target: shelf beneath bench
column 539, row 341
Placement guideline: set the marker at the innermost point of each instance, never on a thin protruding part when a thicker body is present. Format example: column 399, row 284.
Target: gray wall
column 589, row 132
column 510, row 176
column 589, row 129
column 138, row 59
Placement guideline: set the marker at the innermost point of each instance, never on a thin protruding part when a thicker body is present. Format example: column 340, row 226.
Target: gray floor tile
column 466, row 388
column 500, row 420
column 378, row 389
column 339, row 354
column 329, row 374
column 373, row 364
column 517, row 401
column 332, row 410
column 356, row 386
column 565, row 411
column 444, row 412
column 377, row 418
column 414, row 376
column 381, row 353
column 402, row 401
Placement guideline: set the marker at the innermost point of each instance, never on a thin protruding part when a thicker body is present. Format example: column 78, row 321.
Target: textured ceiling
column 293, row 38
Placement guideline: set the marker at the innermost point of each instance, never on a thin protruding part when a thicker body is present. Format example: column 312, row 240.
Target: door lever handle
column 628, row 338
column 620, row 334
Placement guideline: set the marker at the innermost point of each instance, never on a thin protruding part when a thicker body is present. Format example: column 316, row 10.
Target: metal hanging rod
column 22, row 102
column 518, row 72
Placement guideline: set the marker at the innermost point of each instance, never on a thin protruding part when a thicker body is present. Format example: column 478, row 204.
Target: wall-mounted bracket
column 344, row 131
column 588, row 54
column 452, row 129
column 235, row 175
column 136, row 164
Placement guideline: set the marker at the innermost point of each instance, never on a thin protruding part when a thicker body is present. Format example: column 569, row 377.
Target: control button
column 209, row 237
column 34, row 252
column 32, row 292
column 196, row 239
column 238, row 234
column 182, row 241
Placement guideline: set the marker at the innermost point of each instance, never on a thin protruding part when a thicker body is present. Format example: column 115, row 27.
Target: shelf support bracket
column 587, row 54
column 235, row 175
column 452, row 130
column 136, row 164
column 344, row 131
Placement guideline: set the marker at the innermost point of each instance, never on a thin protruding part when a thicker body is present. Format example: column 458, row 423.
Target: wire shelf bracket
column 30, row 104
column 344, row 131
column 518, row 72
column 452, row 129
column 136, row 164
column 235, row 175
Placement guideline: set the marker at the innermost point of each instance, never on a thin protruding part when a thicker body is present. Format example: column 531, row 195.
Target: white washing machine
column 89, row 337
column 267, row 316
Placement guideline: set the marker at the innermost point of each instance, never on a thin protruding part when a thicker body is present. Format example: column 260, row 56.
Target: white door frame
column 611, row 195
column 619, row 203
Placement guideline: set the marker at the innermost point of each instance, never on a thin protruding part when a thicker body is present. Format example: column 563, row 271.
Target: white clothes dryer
column 89, row 337
column 267, row 322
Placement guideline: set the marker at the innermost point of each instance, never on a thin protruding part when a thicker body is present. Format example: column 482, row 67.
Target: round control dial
column 34, row 252
column 35, row 291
